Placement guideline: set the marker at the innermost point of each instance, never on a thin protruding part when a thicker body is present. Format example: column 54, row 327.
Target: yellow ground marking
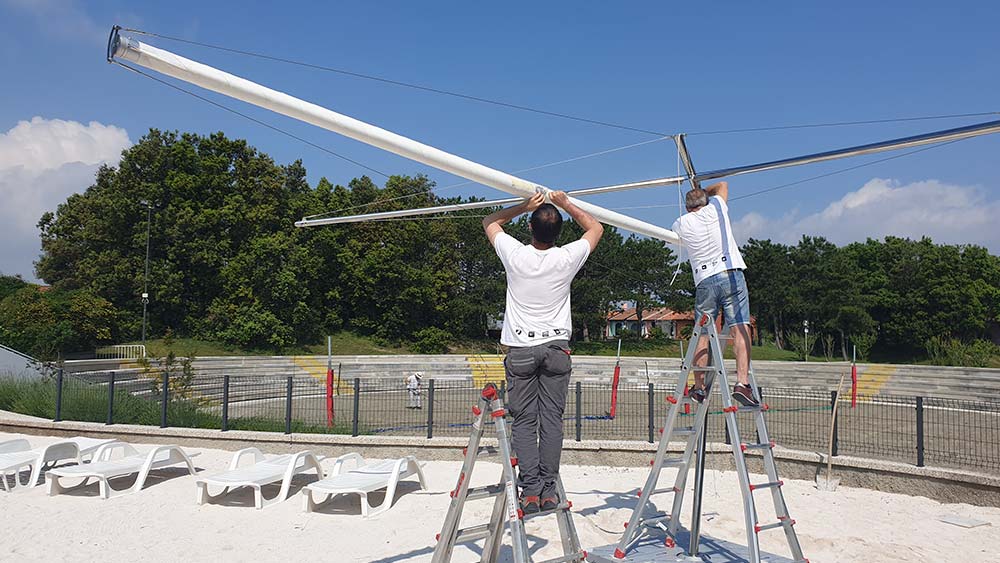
column 316, row 368
column 486, row 369
column 871, row 379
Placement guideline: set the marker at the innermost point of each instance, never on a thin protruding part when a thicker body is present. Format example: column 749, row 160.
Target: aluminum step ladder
column 641, row 524
column 505, row 505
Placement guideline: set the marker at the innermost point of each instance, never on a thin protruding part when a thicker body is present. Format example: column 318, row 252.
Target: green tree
column 51, row 324
column 642, row 272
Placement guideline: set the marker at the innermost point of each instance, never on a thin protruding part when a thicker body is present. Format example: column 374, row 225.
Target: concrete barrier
column 873, row 379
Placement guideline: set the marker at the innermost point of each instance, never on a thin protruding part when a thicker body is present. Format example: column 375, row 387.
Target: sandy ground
column 164, row 523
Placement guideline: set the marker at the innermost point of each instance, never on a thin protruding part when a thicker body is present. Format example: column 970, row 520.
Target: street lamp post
column 805, row 330
column 145, row 279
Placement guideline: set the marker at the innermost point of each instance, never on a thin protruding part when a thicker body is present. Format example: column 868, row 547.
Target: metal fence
column 922, row 431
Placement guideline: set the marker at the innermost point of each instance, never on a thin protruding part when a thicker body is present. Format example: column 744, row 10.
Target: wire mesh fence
column 931, row 431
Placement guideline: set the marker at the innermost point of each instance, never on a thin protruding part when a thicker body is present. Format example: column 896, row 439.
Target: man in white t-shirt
column 537, row 326
column 413, row 390
column 718, row 267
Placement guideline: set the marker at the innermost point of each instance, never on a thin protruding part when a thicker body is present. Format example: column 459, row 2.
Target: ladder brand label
column 511, row 501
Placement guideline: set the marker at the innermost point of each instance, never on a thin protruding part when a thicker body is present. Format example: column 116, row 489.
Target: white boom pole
column 216, row 80
column 402, row 213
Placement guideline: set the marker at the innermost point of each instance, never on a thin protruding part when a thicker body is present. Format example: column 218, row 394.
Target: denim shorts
column 728, row 291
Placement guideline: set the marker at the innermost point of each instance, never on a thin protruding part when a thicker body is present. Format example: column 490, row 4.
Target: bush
column 87, row 402
column 864, row 341
column 953, row 352
column 797, row 341
column 431, row 340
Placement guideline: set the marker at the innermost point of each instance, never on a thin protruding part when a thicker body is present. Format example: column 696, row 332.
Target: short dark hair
column 546, row 222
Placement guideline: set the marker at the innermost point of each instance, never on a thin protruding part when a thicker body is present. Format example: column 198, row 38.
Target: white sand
column 163, row 522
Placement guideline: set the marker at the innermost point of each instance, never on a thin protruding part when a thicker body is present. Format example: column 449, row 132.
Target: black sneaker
column 529, row 504
column 698, row 394
column 744, row 395
column 550, row 503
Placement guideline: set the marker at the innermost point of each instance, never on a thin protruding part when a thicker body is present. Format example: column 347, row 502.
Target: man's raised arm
column 592, row 228
column 493, row 223
column 720, row 189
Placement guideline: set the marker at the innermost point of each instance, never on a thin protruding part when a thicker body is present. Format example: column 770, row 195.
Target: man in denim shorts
column 537, row 326
column 718, row 276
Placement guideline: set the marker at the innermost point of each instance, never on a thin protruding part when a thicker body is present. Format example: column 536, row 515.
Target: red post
column 329, row 398
column 854, row 385
column 614, row 390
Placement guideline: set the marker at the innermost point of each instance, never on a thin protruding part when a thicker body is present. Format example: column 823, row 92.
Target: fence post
column 59, row 389
column 920, row 431
column 503, row 391
column 357, row 406
column 288, row 407
column 650, row 413
column 164, row 399
column 111, row 399
column 225, row 402
column 579, row 414
column 834, row 446
column 430, row 409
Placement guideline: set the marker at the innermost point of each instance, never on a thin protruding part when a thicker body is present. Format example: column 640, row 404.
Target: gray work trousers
column 537, row 384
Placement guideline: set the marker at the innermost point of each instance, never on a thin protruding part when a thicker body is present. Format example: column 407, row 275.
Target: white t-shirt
column 538, row 308
column 412, row 382
column 709, row 239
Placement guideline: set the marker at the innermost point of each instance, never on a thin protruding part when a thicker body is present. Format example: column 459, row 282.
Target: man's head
column 546, row 222
column 696, row 199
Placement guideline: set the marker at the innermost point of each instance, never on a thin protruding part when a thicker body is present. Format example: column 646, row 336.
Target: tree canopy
column 226, row 263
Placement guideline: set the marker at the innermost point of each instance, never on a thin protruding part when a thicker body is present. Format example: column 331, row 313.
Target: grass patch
column 350, row 344
column 89, row 403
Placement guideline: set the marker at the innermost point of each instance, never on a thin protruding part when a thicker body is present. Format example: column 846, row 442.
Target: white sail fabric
column 216, row 80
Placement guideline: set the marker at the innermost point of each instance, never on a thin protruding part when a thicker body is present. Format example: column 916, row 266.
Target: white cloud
column 946, row 213
column 62, row 18
column 42, row 162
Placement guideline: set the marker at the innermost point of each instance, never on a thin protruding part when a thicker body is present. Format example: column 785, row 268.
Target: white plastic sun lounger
column 266, row 469
column 17, row 455
column 104, row 468
column 363, row 479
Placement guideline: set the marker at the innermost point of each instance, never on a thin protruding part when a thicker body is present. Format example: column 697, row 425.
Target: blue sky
column 653, row 65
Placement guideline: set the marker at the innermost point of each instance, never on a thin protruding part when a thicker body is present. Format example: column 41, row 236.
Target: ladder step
column 562, row 506
column 770, row 485
column 683, row 431
column 743, row 408
column 488, row 491
column 761, row 446
column 705, row 368
column 473, row 533
column 487, row 451
column 782, row 522
column 659, row 491
column 673, row 462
